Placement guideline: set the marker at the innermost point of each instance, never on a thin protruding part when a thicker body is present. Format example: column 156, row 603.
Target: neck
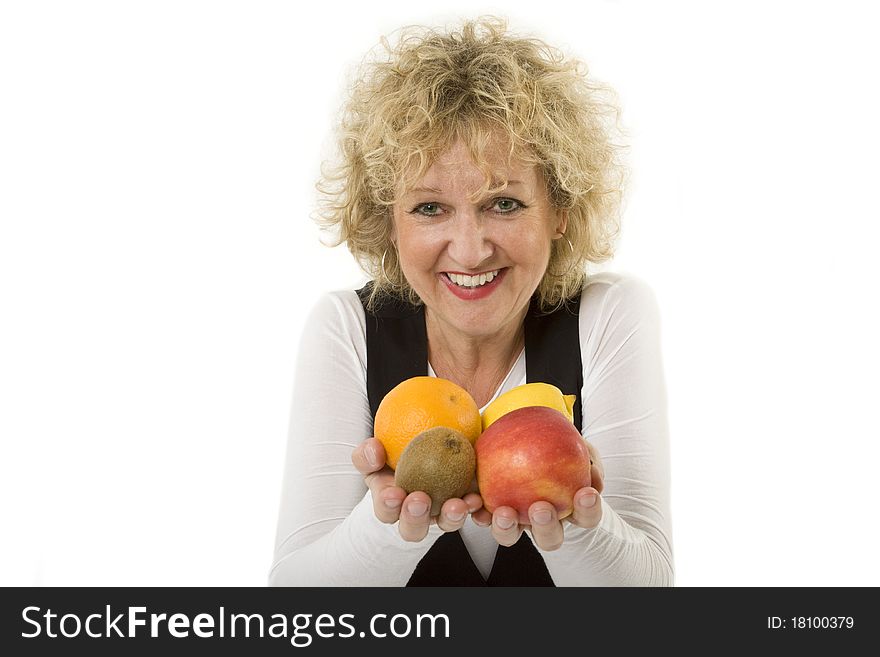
column 476, row 363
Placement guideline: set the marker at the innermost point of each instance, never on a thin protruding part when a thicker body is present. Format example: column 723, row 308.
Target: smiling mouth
column 470, row 282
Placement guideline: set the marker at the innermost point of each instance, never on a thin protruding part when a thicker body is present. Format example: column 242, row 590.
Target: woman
column 478, row 180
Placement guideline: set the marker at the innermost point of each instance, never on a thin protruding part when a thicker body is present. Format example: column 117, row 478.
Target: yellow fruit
column 529, row 394
column 420, row 403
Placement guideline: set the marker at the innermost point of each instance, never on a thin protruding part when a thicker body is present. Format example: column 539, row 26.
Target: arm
column 328, row 534
column 624, row 410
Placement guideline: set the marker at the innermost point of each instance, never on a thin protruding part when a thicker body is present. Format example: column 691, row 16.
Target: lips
column 473, row 292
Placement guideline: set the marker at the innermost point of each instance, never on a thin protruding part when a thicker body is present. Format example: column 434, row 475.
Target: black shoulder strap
column 397, row 349
column 397, row 345
column 553, row 350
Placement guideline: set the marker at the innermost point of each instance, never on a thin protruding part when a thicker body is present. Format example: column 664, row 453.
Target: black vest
column 397, row 349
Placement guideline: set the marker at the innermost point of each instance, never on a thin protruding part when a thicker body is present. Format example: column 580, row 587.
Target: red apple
column 529, row 454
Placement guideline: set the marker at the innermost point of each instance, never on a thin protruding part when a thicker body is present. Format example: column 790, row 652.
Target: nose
column 469, row 244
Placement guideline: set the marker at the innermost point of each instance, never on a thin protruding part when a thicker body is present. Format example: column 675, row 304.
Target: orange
column 421, row 403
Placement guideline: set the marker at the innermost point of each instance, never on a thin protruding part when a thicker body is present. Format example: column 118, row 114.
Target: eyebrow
column 510, row 183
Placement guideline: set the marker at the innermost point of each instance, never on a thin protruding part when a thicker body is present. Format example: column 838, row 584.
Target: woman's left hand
column 546, row 528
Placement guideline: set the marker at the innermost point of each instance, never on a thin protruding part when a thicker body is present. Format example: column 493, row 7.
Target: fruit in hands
column 439, row 461
column 529, row 394
column 420, row 403
column 530, row 454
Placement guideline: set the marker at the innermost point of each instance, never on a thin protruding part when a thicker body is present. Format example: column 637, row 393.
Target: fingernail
column 455, row 517
column 541, row 517
column 370, row 455
column 417, row 508
column 587, row 501
column 505, row 523
column 392, row 503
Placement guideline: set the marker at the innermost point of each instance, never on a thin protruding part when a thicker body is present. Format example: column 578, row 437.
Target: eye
column 426, row 209
column 507, row 205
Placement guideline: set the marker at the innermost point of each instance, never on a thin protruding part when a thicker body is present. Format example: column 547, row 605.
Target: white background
column 157, row 258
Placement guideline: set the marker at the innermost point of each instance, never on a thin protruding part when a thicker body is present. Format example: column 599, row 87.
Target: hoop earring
column 570, row 268
column 382, row 265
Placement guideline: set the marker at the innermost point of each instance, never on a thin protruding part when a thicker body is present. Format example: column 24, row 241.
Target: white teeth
column 473, row 281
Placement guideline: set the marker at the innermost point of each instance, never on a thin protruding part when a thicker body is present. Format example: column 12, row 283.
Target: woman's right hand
column 391, row 503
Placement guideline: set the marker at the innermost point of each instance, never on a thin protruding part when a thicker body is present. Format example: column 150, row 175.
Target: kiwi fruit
column 439, row 461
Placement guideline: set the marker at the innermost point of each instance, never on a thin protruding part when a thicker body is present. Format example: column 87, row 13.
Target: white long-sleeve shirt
column 327, row 532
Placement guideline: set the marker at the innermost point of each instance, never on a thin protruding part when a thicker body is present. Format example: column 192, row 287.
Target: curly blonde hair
column 477, row 84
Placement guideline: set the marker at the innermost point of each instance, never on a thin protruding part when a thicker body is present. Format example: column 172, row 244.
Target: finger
column 474, row 502
column 587, row 508
column 414, row 516
column 597, row 469
column 482, row 517
column 547, row 532
column 452, row 515
column 505, row 526
column 368, row 456
column 597, row 477
column 387, row 498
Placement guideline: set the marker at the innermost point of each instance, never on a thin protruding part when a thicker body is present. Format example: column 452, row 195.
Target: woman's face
column 475, row 264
